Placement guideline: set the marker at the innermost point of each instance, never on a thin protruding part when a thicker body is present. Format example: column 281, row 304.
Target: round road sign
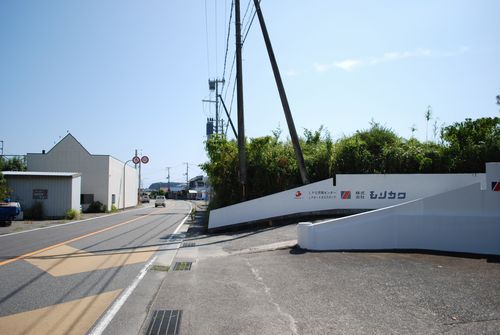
column 136, row 160
column 145, row 159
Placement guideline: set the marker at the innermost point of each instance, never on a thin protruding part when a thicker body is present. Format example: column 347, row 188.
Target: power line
column 231, row 104
column 246, row 11
column 227, row 42
column 249, row 26
column 206, row 34
column 216, row 38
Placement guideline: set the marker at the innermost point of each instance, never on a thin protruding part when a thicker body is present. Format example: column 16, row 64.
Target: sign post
column 135, row 160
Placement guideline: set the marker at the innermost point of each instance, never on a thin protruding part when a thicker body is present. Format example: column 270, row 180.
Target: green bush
column 114, row 209
column 272, row 166
column 96, row 207
column 72, row 214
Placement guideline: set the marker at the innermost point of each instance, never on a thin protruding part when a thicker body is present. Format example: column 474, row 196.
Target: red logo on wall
column 345, row 195
column 298, row 194
column 495, row 186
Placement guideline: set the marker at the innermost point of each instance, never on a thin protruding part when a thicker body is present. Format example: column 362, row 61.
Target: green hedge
column 464, row 147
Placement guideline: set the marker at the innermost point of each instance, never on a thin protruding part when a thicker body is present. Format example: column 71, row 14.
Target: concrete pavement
column 257, row 282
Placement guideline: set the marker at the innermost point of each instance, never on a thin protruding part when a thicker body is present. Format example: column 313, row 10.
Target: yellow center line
column 73, row 240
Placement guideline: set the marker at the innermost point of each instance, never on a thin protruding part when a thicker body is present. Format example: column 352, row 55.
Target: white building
column 199, row 188
column 103, row 177
column 57, row 191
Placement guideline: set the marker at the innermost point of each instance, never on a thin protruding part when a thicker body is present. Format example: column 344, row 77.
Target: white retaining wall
column 351, row 192
column 462, row 220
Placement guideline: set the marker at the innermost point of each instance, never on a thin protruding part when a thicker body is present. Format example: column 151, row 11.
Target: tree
column 4, row 190
column 428, row 116
column 13, row 164
column 413, row 129
column 472, row 143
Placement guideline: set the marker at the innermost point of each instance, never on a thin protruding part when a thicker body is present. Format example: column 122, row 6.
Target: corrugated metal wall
column 59, row 193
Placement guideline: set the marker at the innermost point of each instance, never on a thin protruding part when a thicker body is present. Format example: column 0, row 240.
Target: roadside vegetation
column 461, row 148
column 72, row 214
column 13, row 164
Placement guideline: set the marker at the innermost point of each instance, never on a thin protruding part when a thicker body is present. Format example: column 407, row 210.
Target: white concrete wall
column 116, row 184
column 76, row 190
column 61, row 193
column 463, row 220
column 493, row 176
column 320, row 196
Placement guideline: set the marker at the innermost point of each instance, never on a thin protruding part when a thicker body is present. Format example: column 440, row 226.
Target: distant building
column 199, row 188
column 102, row 176
column 57, row 191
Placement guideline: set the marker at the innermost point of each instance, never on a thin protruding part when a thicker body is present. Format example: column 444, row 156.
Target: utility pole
column 1, row 149
column 168, row 178
column 239, row 83
column 187, row 176
column 228, row 116
column 284, row 100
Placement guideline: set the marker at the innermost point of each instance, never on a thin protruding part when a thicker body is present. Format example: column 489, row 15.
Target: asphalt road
column 62, row 279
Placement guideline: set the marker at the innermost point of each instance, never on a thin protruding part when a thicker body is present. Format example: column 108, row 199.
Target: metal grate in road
column 165, row 322
column 182, row 266
column 188, row 244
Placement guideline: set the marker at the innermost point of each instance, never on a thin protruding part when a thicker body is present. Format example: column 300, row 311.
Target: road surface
column 61, row 280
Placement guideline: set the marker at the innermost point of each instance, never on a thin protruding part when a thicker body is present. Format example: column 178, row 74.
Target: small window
column 113, row 199
column 86, row 199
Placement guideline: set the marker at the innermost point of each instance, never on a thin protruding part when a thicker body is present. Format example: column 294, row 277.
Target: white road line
column 118, row 303
column 73, row 222
column 104, row 322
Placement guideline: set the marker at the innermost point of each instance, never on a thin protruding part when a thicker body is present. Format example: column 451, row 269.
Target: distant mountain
column 174, row 186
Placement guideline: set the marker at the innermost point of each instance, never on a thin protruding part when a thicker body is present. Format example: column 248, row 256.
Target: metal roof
column 41, row 174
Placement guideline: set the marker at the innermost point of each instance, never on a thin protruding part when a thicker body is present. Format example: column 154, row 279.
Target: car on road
column 160, row 201
column 144, row 198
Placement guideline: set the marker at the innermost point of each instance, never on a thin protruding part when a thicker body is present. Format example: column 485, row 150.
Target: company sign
column 39, row 194
column 346, row 192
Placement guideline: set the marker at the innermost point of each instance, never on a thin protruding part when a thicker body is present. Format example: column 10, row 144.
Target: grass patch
column 72, row 214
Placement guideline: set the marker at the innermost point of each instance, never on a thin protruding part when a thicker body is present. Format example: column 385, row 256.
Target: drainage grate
column 182, row 266
column 160, row 268
column 188, row 244
column 165, row 322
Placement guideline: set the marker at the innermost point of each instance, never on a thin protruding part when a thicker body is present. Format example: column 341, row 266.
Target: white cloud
column 349, row 64
column 353, row 63
column 322, row 67
column 292, row 73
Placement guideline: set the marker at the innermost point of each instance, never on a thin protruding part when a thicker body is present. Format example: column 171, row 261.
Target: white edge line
column 118, row 303
column 104, row 322
column 57, row 225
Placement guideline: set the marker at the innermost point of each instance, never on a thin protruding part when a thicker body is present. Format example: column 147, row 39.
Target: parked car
column 8, row 211
column 144, row 198
column 160, row 201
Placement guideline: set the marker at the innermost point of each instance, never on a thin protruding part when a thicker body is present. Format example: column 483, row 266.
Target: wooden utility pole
column 239, row 96
column 284, row 100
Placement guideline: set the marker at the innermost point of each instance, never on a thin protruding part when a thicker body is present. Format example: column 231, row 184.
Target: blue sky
column 126, row 75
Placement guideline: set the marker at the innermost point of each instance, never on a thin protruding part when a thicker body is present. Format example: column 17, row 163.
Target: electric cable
column 206, row 35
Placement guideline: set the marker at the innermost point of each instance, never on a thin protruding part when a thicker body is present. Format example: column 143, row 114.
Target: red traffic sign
column 145, row 159
column 136, row 160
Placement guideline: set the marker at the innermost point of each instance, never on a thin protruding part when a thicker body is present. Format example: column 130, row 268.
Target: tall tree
column 428, row 116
